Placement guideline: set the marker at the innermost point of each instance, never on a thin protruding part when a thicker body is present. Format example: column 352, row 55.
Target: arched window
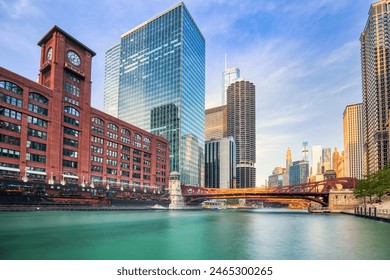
column 98, row 121
column 72, row 110
column 112, row 126
column 11, row 87
column 38, row 97
column 125, row 131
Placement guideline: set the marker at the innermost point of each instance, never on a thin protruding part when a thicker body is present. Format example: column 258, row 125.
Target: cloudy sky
column 302, row 56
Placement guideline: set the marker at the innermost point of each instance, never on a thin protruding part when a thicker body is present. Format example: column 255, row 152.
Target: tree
column 375, row 184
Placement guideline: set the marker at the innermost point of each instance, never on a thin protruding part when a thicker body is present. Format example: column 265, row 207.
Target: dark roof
column 56, row 28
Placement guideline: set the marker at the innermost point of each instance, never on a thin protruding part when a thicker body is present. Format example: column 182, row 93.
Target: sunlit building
column 50, row 134
column 375, row 58
column 215, row 123
column 299, row 172
column 353, row 141
column 161, row 85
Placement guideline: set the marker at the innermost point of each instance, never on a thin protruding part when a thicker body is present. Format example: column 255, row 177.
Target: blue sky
column 302, row 56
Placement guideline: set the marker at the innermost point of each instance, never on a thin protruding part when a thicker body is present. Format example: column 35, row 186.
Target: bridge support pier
column 342, row 200
column 177, row 200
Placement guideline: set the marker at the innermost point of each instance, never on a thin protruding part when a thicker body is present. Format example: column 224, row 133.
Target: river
column 271, row 234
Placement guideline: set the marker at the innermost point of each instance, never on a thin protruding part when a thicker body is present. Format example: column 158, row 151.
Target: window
column 36, row 158
column 70, row 131
column 70, row 153
column 71, row 110
column 112, row 135
column 11, row 100
column 137, row 144
column 36, row 133
column 112, row 153
column 112, row 126
column 125, row 148
column 137, row 136
column 37, row 121
column 97, row 159
column 111, row 171
column 37, row 109
column 97, row 130
column 97, row 140
column 125, row 174
column 125, row 131
column 112, row 162
column 70, row 142
column 98, row 121
column 72, row 77
column 9, row 153
column 38, row 97
column 96, row 168
column 11, row 87
column 125, row 140
column 112, row 144
column 9, row 126
column 136, row 175
column 72, row 89
column 71, row 100
column 36, row 145
column 125, row 165
column 10, row 113
column 136, row 167
column 98, row 150
column 147, row 140
column 71, row 121
column 68, row 163
column 136, row 159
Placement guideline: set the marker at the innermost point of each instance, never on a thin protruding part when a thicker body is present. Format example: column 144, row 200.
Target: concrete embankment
column 73, row 208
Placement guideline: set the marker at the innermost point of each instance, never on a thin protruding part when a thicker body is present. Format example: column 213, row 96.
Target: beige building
column 375, row 59
column 216, row 123
column 353, row 141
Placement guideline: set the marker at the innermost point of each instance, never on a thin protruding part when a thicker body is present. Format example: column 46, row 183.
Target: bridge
column 313, row 191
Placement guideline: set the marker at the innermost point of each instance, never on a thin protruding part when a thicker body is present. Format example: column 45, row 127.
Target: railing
column 372, row 212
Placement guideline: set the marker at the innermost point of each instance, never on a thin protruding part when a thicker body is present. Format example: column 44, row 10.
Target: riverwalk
column 372, row 211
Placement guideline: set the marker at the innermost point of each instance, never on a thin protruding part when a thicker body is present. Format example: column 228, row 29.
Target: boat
column 214, row 205
column 157, row 207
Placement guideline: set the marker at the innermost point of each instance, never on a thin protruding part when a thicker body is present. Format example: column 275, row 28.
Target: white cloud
column 19, row 9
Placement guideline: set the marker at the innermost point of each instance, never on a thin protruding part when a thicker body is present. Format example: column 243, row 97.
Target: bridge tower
column 177, row 200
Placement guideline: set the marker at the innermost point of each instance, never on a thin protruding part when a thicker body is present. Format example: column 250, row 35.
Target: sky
column 302, row 56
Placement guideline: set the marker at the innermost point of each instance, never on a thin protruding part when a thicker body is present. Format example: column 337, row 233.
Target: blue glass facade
column 162, row 86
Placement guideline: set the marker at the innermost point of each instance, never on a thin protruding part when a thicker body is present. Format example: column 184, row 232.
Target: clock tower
column 65, row 68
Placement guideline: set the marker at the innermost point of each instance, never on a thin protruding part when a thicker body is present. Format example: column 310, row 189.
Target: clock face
column 49, row 54
column 73, row 58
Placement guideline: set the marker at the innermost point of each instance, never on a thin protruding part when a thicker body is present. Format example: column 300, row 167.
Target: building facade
column 229, row 76
column 111, row 78
column 51, row 134
column 316, row 156
column 353, row 141
column 277, row 177
column 241, row 112
column 161, row 85
column 375, row 59
column 216, row 123
column 220, row 163
column 299, row 172
column 326, row 160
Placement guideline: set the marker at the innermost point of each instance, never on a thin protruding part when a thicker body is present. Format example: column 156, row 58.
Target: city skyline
column 304, row 74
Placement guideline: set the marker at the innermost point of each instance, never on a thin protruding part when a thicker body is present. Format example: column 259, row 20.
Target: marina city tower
column 156, row 77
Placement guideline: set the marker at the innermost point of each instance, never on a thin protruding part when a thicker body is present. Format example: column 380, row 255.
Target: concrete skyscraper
column 241, row 112
column 161, row 85
column 375, row 58
column 229, row 76
column 353, row 141
column 288, row 158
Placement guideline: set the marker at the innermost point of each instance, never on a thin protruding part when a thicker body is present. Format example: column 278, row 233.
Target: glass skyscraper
column 161, row 86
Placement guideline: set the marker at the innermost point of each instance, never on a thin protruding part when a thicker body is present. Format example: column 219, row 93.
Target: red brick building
column 50, row 133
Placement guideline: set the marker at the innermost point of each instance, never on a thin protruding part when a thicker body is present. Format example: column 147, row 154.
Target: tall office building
column 241, row 112
column 353, row 141
column 215, row 123
column 111, row 77
column 220, row 163
column 316, row 159
column 161, row 85
column 326, row 160
column 299, row 172
column 229, row 76
column 375, row 58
